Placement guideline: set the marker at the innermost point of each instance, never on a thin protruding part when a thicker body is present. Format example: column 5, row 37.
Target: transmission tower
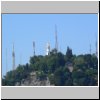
column 13, row 58
column 20, row 59
column 96, row 46
column 56, row 38
column 33, row 48
column 6, row 62
column 90, row 48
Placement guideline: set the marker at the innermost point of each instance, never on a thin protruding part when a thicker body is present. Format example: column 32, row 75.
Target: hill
column 55, row 69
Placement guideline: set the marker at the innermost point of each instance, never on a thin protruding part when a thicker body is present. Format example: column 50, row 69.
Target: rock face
column 33, row 81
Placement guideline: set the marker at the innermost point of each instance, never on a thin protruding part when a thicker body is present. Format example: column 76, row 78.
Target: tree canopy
column 56, row 66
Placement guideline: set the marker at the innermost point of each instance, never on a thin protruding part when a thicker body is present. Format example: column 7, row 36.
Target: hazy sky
column 77, row 31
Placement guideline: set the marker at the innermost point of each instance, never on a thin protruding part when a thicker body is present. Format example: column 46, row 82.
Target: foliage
column 69, row 55
column 41, row 75
column 55, row 66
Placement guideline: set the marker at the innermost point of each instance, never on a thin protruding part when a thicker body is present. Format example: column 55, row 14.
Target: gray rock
column 33, row 81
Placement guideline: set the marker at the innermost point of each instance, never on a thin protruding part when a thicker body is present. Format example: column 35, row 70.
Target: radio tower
column 20, row 59
column 6, row 62
column 56, row 38
column 13, row 58
column 34, row 48
column 90, row 48
column 96, row 45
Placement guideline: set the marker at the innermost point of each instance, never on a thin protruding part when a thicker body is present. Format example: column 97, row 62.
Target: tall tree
column 69, row 54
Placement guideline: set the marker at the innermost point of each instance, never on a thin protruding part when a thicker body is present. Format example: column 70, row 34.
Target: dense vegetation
column 56, row 66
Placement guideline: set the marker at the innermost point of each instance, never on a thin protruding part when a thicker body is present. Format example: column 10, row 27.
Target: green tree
column 60, row 59
column 62, row 77
column 69, row 55
column 41, row 75
column 34, row 59
column 56, row 67
column 43, row 66
column 51, row 78
column 59, row 77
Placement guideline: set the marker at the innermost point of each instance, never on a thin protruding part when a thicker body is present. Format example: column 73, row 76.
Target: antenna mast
column 56, row 38
column 6, row 62
column 20, row 59
column 34, row 48
column 90, row 48
column 96, row 45
column 13, row 58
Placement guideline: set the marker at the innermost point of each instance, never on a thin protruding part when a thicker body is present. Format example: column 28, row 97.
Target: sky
column 77, row 31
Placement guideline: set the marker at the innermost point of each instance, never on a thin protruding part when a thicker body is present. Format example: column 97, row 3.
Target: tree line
column 57, row 67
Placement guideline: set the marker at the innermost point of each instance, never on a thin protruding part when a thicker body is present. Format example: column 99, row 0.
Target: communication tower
column 56, row 38
column 13, row 58
column 33, row 48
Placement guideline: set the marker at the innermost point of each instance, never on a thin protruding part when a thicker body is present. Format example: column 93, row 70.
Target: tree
column 43, row 66
column 41, row 75
column 88, row 60
column 78, row 76
column 69, row 55
column 60, row 59
column 59, row 77
column 56, row 67
column 94, row 61
column 53, row 52
column 62, row 77
column 79, row 63
column 51, row 78
column 34, row 59
column 9, row 79
column 52, row 64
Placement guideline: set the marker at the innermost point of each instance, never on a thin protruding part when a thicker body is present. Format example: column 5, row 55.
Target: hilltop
column 55, row 69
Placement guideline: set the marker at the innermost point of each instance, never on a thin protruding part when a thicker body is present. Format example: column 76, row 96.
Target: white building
column 47, row 48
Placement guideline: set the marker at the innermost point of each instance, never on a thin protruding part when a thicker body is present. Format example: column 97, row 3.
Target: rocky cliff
column 32, row 80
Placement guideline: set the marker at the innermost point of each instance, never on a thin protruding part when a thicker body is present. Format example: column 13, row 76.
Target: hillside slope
column 55, row 69
column 32, row 80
